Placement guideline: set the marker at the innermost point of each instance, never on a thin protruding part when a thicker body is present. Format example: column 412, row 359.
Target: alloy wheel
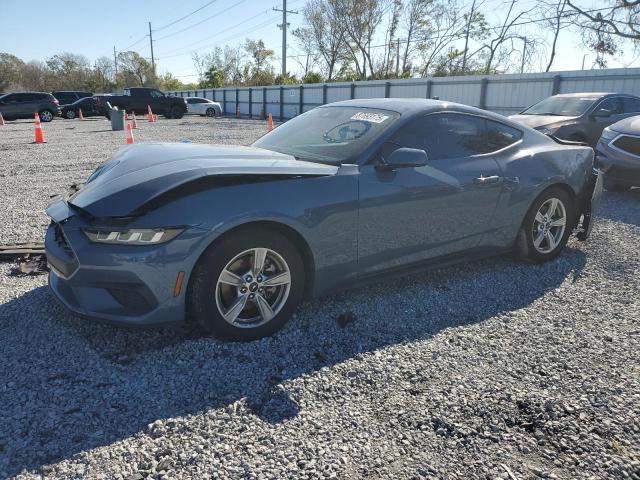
column 71, row 114
column 253, row 287
column 549, row 225
column 46, row 116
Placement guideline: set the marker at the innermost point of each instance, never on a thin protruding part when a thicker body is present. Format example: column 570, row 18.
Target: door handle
column 482, row 180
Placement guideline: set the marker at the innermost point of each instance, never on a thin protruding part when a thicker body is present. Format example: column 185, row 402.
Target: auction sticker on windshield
column 370, row 117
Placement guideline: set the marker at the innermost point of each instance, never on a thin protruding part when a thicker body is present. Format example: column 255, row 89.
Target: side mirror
column 403, row 158
column 601, row 113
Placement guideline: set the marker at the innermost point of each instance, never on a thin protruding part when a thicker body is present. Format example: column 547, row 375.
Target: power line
column 186, row 16
column 134, row 43
column 201, row 21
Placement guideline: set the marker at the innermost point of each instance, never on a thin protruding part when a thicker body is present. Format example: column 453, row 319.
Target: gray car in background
column 579, row 117
column 27, row 104
column 618, row 154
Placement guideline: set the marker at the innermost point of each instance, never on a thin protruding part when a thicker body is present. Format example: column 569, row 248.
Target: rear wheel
column 46, row 115
column 211, row 112
column 546, row 227
column 247, row 285
column 176, row 113
column 70, row 114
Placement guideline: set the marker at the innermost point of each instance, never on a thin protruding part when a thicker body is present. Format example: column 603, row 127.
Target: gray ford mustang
column 233, row 238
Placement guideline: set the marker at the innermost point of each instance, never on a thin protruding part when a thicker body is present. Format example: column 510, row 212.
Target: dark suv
column 69, row 97
column 26, row 104
column 580, row 117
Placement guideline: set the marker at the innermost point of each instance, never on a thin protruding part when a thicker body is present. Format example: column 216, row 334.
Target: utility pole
column 524, row 54
column 153, row 61
column 466, row 37
column 284, row 34
column 115, row 61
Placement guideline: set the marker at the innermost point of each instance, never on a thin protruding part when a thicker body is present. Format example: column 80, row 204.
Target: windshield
column 564, row 106
column 328, row 134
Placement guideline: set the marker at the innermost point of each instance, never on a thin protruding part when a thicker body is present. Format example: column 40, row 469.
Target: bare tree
column 621, row 18
column 554, row 13
column 361, row 19
column 306, row 41
column 415, row 26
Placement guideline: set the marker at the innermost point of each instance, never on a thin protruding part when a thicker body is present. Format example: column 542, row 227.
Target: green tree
column 10, row 68
column 213, row 78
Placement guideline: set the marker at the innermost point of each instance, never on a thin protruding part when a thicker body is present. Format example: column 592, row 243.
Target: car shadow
column 106, row 383
column 615, row 206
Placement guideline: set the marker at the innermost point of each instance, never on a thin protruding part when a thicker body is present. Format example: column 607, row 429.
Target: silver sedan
column 203, row 106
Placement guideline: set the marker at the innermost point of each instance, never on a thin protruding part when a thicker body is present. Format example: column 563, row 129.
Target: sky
column 93, row 28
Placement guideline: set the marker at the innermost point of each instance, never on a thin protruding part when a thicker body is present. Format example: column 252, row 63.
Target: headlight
column 608, row 135
column 136, row 236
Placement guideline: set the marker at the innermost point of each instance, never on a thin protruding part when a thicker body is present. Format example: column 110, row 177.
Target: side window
column 24, row 97
column 11, row 98
column 156, row 93
column 630, row 105
column 445, row 135
column 500, row 136
column 612, row 104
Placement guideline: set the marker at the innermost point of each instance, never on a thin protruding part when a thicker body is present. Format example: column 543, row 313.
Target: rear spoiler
column 571, row 143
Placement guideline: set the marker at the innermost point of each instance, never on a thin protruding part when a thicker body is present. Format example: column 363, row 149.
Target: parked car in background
column 203, row 106
column 26, row 104
column 67, row 97
column 138, row 99
column 340, row 194
column 89, row 106
column 579, row 117
column 618, row 154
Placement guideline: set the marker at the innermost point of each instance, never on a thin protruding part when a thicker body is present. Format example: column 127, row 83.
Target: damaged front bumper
column 589, row 204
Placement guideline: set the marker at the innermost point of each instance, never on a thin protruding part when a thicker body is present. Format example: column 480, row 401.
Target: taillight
column 55, row 100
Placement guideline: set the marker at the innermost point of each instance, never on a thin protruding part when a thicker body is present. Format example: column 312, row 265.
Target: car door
column 26, row 105
column 9, row 105
column 630, row 106
column 596, row 123
column 414, row 214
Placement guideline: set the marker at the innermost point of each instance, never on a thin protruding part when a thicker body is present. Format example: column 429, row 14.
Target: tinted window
column 563, row 106
column 25, row 97
column 445, row 135
column 66, row 97
column 500, row 135
column 156, row 93
column 630, row 105
column 612, row 104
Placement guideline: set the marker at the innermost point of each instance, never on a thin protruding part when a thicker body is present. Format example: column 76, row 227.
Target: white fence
column 505, row 94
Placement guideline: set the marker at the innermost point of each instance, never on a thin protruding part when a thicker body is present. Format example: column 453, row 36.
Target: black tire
column 613, row 186
column 211, row 112
column 46, row 115
column 176, row 113
column 525, row 248
column 70, row 114
column 201, row 294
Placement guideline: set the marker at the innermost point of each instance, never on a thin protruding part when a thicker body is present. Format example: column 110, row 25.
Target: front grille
column 628, row 144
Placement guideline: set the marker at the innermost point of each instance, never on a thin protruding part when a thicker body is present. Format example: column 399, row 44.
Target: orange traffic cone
column 2, row 122
column 80, row 116
column 134, row 121
column 38, row 130
column 149, row 113
column 129, row 134
column 270, row 123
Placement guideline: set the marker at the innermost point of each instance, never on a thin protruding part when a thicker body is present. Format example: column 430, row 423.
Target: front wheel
column 246, row 286
column 46, row 115
column 70, row 114
column 546, row 227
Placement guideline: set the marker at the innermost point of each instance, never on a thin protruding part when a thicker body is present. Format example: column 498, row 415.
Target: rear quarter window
column 500, row 136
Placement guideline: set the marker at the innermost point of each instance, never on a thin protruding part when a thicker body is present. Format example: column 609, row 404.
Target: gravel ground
column 492, row 370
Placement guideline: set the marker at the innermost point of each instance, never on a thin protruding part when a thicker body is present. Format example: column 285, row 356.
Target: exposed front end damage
column 589, row 202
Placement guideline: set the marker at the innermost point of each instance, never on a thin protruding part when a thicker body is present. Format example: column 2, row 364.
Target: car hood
column 139, row 173
column 537, row 121
column 630, row 126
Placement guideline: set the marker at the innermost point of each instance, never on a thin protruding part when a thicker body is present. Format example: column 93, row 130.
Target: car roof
column 584, row 94
column 409, row 107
